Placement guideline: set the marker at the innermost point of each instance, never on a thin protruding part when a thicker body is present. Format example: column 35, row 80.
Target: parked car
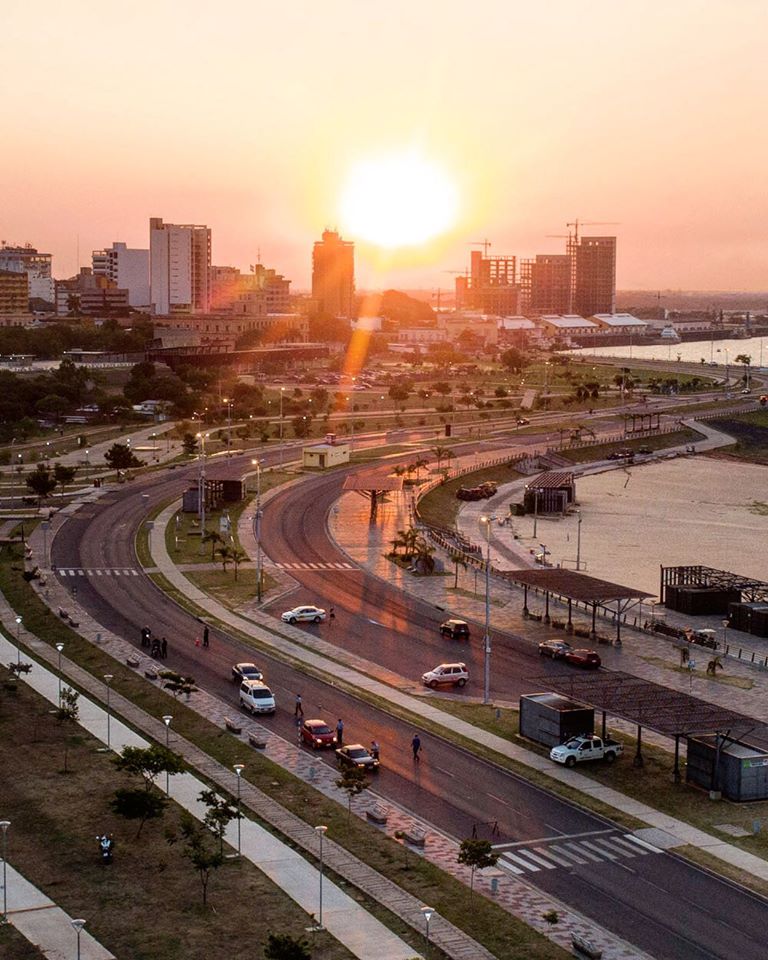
column 556, row 649
column 582, row 658
column 522, row 421
column 483, row 492
column 355, row 755
column 588, row 747
column 455, row 629
column 317, row 734
column 246, row 671
column 311, row 614
column 645, row 449
column 256, row 697
column 455, row 674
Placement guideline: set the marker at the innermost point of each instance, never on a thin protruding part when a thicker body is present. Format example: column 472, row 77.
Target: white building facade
column 37, row 267
column 179, row 267
column 128, row 268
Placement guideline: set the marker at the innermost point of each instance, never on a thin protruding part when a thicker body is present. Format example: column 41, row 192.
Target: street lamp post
column 201, row 489
column 78, row 925
column 282, row 391
column 578, row 541
column 725, row 634
column 59, row 647
column 108, row 678
column 45, row 526
column 167, row 721
column 427, row 913
column 18, row 640
column 4, row 824
column 238, row 768
column 487, row 639
column 257, row 528
column 321, row 830
column 229, row 403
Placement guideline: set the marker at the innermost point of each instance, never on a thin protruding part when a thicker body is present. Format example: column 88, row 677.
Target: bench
column 377, row 814
column 585, row 948
column 416, row 836
column 74, row 623
column 132, row 662
column 257, row 740
column 150, row 674
column 63, row 614
column 232, row 725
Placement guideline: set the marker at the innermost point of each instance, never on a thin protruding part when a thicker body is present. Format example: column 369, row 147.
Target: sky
column 253, row 117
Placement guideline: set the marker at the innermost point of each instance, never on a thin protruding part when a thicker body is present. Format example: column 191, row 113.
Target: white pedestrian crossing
column 317, row 565
column 570, row 852
column 98, row 572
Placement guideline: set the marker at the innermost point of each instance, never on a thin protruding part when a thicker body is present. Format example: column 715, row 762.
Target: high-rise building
column 14, row 292
column 128, row 268
column 593, row 275
column 179, row 267
column 36, row 265
column 333, row 275
column 546, row 284
column 491, row 286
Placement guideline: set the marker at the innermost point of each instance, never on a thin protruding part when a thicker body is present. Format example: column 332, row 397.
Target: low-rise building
column 89, row 295
column 321, row 456
column 567, row 326
column 621, row 323
column 275, row 327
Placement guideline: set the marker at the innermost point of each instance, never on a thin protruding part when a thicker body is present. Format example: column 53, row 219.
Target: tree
column 148, row 763
column 52, row 404
column 399, row 394
column 745, row 359
column 353, row 781
column 282, row 946
column 302, row 426
column 442, row 387
column 224, row 554
column 514, row 359
column 68, row 713
column 476, row 854
column 63, row 475
column 458, row 561
column 121, row 457
column 237, row 557
column 219, row 815
column 41, row 482
column 214, row 538
column 189, row 444
column 197, row 849
column 424, row 556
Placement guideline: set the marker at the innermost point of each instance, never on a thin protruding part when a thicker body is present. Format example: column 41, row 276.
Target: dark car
column 645, row 450
column 583, row 658
column 317, row 734
column 455, row 629
column 246, row 671
column 522, row 421
column 557, row 649
column 355, row 755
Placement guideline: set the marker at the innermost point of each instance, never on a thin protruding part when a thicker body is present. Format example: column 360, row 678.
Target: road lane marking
column 516, row 858
column 446, row 772
column 559, row 837
column 648, row 846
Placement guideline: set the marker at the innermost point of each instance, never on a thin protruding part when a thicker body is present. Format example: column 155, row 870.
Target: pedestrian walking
column 155, row 652
column 145, row 635
column 298, row 710
column 416, row 746
column 197, row 642
column 163, row 648
column 332, row 614
column 340, row 733
column 206, row 636
column 375, row 749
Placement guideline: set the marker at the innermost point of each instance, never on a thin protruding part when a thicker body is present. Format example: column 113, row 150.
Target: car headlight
column 318, row 740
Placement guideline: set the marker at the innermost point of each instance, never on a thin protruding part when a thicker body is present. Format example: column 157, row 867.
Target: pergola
column 668, row 712
column 373, row 486
column 755, row 591
column 570, row 585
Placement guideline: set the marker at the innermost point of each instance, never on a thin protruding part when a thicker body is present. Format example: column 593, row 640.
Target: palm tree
column 458, row 561
column 440, row 454
column 225, row 555
column 423, row 555
column 419, row 465
column 214, row 538
column 237, row 556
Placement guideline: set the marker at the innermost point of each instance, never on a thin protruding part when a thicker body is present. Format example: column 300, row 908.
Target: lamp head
column 167, row 719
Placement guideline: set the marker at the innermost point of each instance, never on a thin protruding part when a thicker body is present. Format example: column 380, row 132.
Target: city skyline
column 604, row 113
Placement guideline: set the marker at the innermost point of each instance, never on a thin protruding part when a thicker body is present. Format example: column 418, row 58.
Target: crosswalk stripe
column 615, row 848
column 523, row 863
column 339, row 566
column 648, row 846
column 98, row 573
column 348, row 566
column 622, row 844
column 570, row 855
column 135, row 573
column 594, row 846
column 549, row 852
column 80, row 572
column 584, row 853
column 511, row 867
column 537, row 859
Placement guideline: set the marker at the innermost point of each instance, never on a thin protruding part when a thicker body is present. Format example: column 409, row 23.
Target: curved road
column 657, row 901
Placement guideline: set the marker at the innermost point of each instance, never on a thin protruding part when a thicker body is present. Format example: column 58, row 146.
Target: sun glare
column 399, row 200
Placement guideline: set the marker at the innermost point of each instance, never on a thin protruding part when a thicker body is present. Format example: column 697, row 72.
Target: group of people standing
column 158, row 646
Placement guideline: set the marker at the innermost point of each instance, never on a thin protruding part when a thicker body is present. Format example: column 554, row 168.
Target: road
column 655, row 900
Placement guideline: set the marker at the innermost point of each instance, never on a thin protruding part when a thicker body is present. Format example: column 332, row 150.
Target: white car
column 455, row 674
column 256, row 697
column 306, row 614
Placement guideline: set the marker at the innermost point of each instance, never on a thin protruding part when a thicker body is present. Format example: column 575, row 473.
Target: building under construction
column 491, row 285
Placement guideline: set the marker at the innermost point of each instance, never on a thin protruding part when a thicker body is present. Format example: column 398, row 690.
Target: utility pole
column 201, row 490
column 257, row 528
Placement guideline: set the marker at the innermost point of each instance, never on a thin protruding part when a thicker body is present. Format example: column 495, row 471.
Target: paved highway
column 656, row 900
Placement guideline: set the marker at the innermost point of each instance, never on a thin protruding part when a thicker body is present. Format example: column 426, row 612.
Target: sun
column 398, row 200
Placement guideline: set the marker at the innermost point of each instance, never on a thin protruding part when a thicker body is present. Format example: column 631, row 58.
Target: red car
column 317, row 734
column 582, row 658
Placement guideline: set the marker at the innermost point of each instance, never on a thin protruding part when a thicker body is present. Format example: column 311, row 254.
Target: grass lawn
column 13, row 946
column 148, row 902
column 660, row 442
column 440, row 506
column 750, row 434
column 506, row 937
column 224, row 588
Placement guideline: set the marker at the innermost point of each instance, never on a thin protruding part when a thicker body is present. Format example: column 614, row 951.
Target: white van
column 256, row 697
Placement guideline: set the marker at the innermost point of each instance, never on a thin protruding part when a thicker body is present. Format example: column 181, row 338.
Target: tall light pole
column 59, row 647
column 108, row 678
column 18, row 639
column 201, row 491
column 578, row 541
column 487, row 639
column 282, row 391
column 257, row 528
column 321, row 830
column 427, row 913
column 4, row 824
column 45, row 526
column 238, row 768
column 229, row 403
column 167, row 721
column 78, row 925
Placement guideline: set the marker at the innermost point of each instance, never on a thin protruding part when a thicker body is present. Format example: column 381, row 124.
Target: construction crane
column 481, row 243
column 589, row 223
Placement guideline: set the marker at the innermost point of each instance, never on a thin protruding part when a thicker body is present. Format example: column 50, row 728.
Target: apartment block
column 128, row 268
column 179, row 267
column 36, row 265
column 333, row 275
column 14, row 292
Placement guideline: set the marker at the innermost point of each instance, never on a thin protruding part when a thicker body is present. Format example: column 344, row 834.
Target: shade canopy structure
column 373, row 486
column 572, row 586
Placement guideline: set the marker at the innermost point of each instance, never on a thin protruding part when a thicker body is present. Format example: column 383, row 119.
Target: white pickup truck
column 586, row 748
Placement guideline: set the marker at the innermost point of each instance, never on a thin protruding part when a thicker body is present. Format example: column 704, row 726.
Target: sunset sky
column 251, row 117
